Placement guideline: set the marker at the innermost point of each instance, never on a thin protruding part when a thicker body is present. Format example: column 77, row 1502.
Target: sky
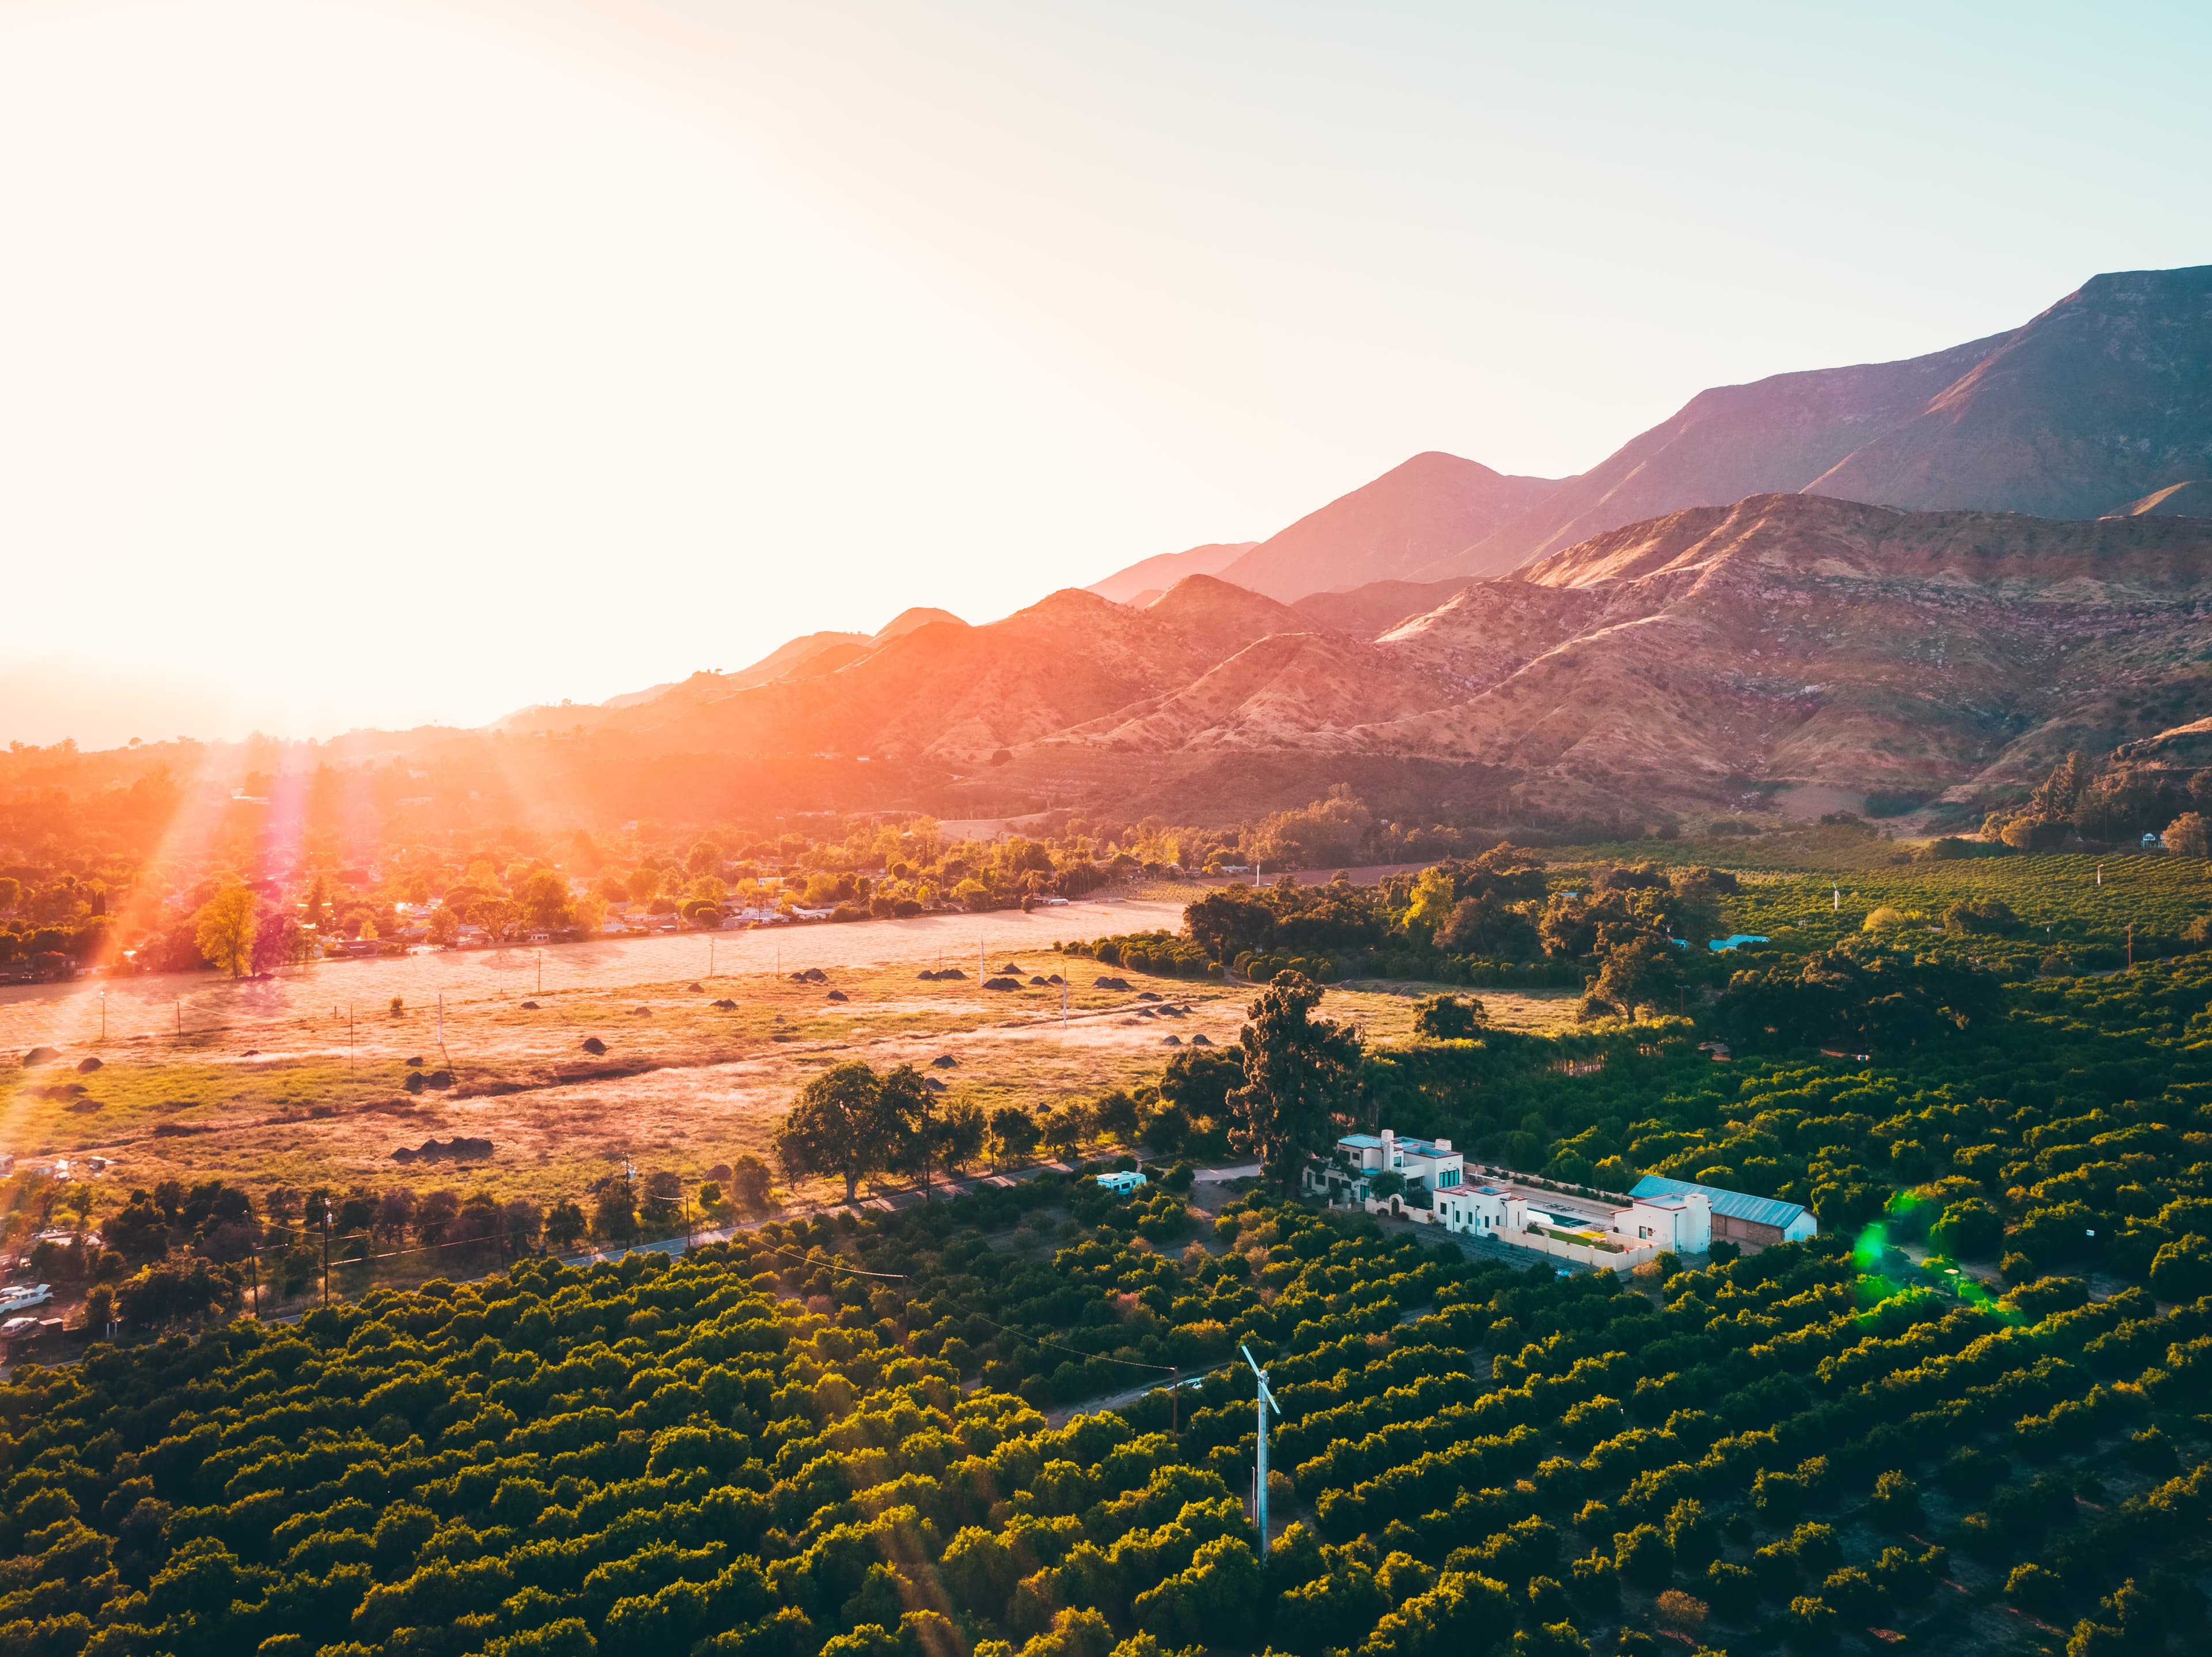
column 392, row 363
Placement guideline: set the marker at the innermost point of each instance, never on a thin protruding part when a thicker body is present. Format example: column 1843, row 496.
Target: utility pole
column 255, row 1258
column 326, row 1253
column 103, row 1018
column 2131, row 946
column 1266, row 1402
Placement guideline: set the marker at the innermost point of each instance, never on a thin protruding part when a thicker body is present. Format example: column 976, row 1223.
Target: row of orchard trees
column 757, row 1450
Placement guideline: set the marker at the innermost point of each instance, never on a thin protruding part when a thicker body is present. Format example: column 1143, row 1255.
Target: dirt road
column 68, row 1015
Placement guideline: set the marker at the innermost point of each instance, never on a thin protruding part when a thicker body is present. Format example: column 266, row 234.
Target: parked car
column 25, row 1295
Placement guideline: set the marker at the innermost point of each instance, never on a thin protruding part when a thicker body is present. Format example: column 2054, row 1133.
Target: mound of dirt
column 1201, row 1039
column 86, row 1065
column 178, row 1130
column 943, row 1062
column 1109, row 983
column 593, row 1045
column 456, row 1149
column 1002, row 983
column 530, row 1006
column 726, row 1005
column 1171, row 1041
column 835, row 995
column 39, row 1056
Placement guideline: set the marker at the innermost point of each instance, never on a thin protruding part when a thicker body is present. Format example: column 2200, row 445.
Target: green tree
column 1299, row 1075
column 838, row 1125
column 544, row 901
column 496, row 915
column 1448, row 1018
column 1435, row 895
column 1014, row 1133
column 616, row 1216
column 749, row 1183
column 2186, row 836
column 564, row 1225
column 1116, row 1118
column 225, row 930
column 1642, row 970
column 1969, row 1230
column 959, row 1131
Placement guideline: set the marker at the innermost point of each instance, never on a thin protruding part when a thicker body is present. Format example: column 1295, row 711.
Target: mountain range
column 1940, row 574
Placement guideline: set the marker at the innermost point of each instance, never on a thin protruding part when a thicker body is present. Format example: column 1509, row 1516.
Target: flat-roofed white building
column 1483, row 1210
column 1682, row 1222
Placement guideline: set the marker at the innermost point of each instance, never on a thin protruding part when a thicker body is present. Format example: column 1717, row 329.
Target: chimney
column 1390, row 1148
column 1444, row 1145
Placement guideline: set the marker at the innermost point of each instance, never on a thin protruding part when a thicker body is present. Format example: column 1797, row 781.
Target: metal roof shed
column 1736, row 1216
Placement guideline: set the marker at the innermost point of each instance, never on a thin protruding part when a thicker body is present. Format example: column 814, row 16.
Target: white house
column 1435, row 1191
column 1428, row 1168
column 1484, row 1210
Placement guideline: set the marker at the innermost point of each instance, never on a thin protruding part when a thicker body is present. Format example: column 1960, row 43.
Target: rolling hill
column 1149, row 577
column 1707, row 657
column 1412, row 514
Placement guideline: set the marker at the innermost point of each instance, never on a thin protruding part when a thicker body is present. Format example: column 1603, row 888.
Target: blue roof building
column 1736, row 1217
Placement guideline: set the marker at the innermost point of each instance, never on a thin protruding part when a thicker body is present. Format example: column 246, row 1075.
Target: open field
column 683, row 1085
column 300, row 1080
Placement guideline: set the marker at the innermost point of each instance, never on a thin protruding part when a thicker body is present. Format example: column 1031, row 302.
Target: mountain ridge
column 2100, row 399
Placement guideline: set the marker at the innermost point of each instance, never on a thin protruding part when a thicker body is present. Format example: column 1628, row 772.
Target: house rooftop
column 1759, row 1210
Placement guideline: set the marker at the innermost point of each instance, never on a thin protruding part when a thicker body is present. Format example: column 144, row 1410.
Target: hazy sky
column 378, row 362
